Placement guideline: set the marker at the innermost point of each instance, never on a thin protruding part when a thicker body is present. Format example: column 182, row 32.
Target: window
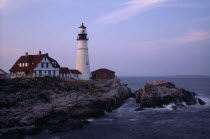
column 49, row 72
column 65, row 74
column 40, row 72
column 53, row 73
column 86, row 63
column 42, row 65
column 47, row 65
column 45, row 58
column 20, row 65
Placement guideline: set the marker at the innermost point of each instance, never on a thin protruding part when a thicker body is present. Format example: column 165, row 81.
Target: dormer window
column 54, row 63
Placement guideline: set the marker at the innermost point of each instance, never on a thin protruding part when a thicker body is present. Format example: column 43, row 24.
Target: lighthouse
column 82, row 61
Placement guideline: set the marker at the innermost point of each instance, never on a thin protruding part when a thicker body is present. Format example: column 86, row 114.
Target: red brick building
column 103, row 74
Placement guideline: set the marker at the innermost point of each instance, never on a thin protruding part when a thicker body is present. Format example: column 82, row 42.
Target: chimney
column 26, row 53
column 40, row 52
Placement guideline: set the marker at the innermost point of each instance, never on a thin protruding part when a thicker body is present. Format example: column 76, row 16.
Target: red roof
column 33, row 60
column 64, row 70
column 53, row 60
column 102, row 70
column 74, row 71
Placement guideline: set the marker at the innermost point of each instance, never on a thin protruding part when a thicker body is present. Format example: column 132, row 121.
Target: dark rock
column 201, row 102
column 139, row 109
column 86, row 112
column 158, row 93
column 179, row 107
column 30, row 104
column 31, row 130
column 86, row 122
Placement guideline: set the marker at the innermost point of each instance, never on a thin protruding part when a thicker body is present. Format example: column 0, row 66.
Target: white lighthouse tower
column 82, row 62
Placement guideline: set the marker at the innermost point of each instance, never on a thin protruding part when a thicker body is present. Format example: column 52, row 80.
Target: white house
column 35, row 66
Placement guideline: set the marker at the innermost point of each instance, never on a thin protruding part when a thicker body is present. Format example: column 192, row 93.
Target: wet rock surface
column 32, row 104
column 158, row 93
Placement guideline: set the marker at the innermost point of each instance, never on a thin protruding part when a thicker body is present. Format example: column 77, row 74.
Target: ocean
column 152, row 123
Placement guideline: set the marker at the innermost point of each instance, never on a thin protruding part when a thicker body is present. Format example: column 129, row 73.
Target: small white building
column 75, row 74
column 64, row 72
column 35, row 66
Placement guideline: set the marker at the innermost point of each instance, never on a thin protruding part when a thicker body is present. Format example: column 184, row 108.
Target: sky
column 131, row 37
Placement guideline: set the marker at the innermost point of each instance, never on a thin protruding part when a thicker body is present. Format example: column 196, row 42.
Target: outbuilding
column 103, row 74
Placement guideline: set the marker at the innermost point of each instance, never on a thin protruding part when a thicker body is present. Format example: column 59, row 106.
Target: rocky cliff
column 158, row 93
column 30, row 105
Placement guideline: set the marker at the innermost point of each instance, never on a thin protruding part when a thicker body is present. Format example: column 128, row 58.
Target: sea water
column 155, row 123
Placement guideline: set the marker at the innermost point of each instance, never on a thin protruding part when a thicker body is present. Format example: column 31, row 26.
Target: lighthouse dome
column 82, row 26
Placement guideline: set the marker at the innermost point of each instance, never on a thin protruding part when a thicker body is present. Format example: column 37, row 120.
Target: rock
column 158, row 93
column 18, row 131
column 28, row 130
column 64, row 126
column 201, row 102
column 139, row 109
column 86, row 112
column 112, row 82
column 27, row 119
column 179, row 107
column 30, row 104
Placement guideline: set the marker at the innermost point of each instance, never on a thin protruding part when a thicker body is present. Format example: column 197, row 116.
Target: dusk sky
column 131, row 37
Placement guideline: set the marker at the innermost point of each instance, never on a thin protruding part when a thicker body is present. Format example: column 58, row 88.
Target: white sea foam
column 169, row 106
column 90, row 119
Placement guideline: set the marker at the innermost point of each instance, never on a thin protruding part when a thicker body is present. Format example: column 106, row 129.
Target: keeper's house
column 39, row 66
column 103, row 74
column 35, row 66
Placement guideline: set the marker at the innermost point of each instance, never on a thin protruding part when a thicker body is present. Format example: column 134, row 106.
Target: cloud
column 3, row 3
column 193, row 36
column 130, row 9
column 186, row 38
